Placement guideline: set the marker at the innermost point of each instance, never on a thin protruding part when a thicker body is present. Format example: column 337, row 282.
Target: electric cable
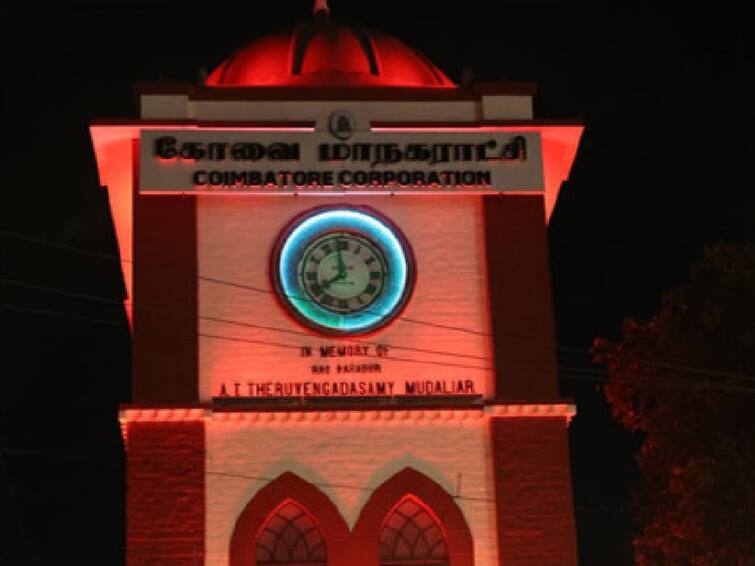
column 375, row 356
column 300, row 333
column 658, row 382
column 565, row 372
column 660, row 364
column 306, row 299
column 571, row 373
column 67, row 247
column 58, row 314
column 227, row 283
column 266, row 479
column 118, row 302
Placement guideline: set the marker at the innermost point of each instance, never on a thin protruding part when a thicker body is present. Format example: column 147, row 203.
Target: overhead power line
column 118, row 302
column 375, row 356
column 661, row 364
column 217, row 281
column 300, row 298
column 59, row 314
column 567, row 372
column 268, row 328
column 91, row 253
column 102, row 461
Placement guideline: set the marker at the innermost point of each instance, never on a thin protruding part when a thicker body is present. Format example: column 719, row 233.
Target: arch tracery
column 411, row 535
column 290, row 537
column 287, row 520
column 408, row 521
column 411, row 501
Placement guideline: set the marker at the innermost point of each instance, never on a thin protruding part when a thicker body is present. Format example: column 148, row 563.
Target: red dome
column 323, row 53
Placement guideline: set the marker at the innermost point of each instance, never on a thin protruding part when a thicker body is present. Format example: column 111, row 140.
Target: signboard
column 352, row 370
column 275, row 162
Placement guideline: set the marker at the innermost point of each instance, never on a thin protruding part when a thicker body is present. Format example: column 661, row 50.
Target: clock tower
column 341, row 310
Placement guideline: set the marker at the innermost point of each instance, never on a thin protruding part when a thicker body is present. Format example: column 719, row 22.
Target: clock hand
column 337, row 277
column 342, row 273
column 341, row 264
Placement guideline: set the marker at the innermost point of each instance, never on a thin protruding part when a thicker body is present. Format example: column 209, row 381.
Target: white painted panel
column 339, row 456
column 443, row 333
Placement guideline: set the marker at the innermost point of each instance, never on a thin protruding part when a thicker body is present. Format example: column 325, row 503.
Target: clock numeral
column 374, row 275
column 342, row 245
column 370, row 289
column 343, row 304
column 326, row 299
column 311, row 276
column 314, row 259
column 326, row 248
column 369, row 260
column 358, row 249
column 316, row 289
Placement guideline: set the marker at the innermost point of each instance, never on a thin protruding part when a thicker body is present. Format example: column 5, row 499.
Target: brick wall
column 165, row 493
column 520, row 299
column 534, row 504
column 165, row 300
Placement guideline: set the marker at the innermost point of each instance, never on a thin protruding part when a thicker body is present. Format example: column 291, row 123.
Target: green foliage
column 685, row 381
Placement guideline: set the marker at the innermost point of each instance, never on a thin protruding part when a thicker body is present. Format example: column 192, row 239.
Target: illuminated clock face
column 343, row 270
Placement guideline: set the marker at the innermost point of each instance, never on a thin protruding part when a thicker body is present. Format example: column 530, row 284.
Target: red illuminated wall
column 165, row 329
column 165, row 493
column 520, row 298
column 165, row 312
column 534, row 506
column 166, row 509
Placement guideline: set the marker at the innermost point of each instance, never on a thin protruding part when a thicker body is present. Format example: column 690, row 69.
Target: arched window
column 412, row 536
column 290, row 537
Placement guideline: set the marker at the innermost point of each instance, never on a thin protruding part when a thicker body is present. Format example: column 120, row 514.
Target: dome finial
column 321, row 10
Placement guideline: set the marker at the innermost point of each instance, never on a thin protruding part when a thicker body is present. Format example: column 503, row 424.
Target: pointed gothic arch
column 290, row 537
column 292, row 518
column 409, row 485
column 411, row 535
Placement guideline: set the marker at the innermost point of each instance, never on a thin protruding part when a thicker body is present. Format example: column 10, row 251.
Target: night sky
column 660, row 173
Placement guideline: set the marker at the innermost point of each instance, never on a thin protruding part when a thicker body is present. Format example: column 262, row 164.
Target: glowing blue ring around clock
column 377, row 312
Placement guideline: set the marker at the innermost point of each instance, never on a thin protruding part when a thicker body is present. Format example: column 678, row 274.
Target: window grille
column 291, row 538
column 411, row 536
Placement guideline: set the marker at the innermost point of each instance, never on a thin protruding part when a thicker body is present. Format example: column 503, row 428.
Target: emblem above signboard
column 341, row 125
column 206, row 160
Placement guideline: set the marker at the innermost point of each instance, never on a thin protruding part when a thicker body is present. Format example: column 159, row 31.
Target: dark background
column 660, row 173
